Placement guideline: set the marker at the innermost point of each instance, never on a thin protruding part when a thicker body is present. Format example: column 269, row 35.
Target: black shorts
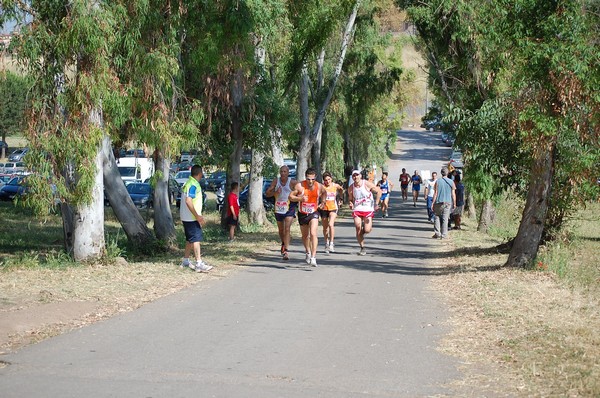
column 304, row 219
column 231, row 221
column 404, row 187
column 325, row 213
column 193, row 231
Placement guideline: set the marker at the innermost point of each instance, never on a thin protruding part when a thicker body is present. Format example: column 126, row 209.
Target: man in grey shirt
column 444, row 199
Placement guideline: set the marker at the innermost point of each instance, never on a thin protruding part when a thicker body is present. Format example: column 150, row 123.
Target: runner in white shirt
column 285, row 210
column 363, row 205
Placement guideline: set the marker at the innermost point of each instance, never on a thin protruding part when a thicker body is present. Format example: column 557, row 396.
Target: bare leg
column 360, row 237
column 313, row 238
column 332, row 217
column 287, row 237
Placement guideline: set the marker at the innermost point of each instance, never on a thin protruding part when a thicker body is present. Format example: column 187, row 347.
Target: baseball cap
column 355, row 172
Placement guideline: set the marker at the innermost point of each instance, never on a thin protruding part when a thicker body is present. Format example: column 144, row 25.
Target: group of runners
column 313, row 200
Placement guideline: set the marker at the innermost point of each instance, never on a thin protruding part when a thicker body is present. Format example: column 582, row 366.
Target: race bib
column 331, row 196
column 308, row 208
column 384, row 191
column 281, row 207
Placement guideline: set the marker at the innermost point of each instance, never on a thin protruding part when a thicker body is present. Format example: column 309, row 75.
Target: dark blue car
column 141, row 194
column 15, row 187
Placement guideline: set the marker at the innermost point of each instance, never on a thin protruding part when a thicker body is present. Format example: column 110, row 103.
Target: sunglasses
column 310, row 179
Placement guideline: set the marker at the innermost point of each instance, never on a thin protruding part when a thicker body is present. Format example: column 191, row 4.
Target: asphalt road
column 352, row 327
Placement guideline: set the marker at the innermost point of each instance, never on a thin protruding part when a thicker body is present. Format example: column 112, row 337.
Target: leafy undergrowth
column 526, row 332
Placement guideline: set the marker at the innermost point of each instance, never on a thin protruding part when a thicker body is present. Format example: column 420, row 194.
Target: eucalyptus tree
column 314, row 24
column 159, row 115
column 67, row 50
column 225, row 69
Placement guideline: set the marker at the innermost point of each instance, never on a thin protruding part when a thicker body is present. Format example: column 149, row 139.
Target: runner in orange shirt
column 308, row 193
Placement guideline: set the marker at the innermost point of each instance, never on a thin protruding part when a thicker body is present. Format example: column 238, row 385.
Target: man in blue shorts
column 285, row 210
column 190, row 213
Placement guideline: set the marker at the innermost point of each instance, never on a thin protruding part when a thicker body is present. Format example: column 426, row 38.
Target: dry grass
column 524, row 333
column 27, row 287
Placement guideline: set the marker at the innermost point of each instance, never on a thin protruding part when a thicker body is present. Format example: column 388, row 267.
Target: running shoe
column 362, row 251
column 282, row 248
column 307, row 259
column 313, row 261
column 184, row 264
column 201, row 266
column 331, row 248
column 286, row 256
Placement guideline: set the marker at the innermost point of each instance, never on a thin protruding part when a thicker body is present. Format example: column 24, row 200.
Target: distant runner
column 386, row 187
column 416, row 186
column 404, row 181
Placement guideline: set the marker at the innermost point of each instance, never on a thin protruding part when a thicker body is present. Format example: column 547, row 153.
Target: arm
column 350, row 197
column 323, row 196
column 435, row 192
column 453, row 196
column 190, row 206
column 270, row 192
column 297, row 194
column 376, row 190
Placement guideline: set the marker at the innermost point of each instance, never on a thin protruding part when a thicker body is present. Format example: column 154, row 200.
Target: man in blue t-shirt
column 444, row 199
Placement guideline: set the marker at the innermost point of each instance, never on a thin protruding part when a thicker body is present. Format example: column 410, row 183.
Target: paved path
column 353, row 327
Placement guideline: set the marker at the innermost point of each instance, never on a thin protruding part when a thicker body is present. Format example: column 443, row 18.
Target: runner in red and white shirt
column 363, row 205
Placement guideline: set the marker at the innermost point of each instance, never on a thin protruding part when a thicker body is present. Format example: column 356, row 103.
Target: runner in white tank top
column 285, row 211
column 363, row 207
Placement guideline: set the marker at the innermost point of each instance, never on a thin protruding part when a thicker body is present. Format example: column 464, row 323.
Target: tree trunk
column 164, row 227
column 305, row 143
column 88, row 219
column 138, row 233
column 527, row 241
column 66, row 212
column 486, row 217
column 470, row 205
column 256, row 209
column 237, row 136
column 277, row 147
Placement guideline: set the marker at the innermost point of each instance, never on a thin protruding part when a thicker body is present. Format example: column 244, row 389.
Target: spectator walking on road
column 329, row 210
column 386, row 188
column 416, row 181
column 444, row 199
column 190, row 213
column 309, row 193
column 404, row 181
column 428, row 195
column 233, row 209
column 363, row 205
column 285, row 210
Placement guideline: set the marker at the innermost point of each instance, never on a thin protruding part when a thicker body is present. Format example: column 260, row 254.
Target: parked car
column 187, row 156
column 13, row 167
column 141, row 194
column 18, row 155
column 13, row 188
column 268, row 203
column 456, row 160
column 173, row 188
column 214, row 180
column 135, row 153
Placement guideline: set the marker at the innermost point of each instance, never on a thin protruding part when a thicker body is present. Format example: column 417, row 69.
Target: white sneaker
column 326, row 249
column 313, row 261
column 192, row 266
column 201, row 266
column 331, row 248
column 307, row 259
column 362, row 251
